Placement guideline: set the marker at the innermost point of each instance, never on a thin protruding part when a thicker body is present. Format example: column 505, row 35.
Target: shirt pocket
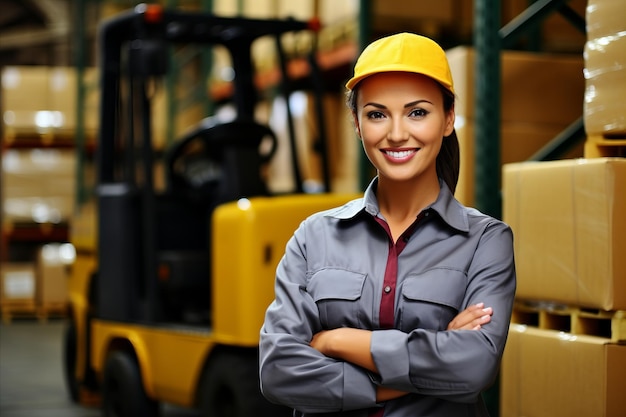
column 337, row 293
column 430, row 300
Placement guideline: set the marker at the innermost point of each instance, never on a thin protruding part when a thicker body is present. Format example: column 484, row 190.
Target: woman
column 398, row 303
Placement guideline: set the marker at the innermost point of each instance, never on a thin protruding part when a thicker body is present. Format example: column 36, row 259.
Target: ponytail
column 449, row 157
column 449, row 161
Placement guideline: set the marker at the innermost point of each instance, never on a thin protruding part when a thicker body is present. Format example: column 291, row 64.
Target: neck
column 403, row 201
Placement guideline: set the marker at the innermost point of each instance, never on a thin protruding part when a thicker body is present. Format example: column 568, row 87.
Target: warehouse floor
column 31, row 376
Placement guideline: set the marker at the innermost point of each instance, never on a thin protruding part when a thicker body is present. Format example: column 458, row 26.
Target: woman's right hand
column 472, row 318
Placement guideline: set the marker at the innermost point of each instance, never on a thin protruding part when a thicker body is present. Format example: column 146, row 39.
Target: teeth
column 400, row 154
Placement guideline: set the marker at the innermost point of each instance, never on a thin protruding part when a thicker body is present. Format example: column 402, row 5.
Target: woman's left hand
column 472, row 318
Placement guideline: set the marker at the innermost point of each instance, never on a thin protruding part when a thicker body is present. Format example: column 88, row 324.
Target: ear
column 357, row 127
column 449, row 122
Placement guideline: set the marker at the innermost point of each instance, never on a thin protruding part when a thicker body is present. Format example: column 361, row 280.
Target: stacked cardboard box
column 605, row 79
column 605, row 68
column 570, row 237
column 39, row 288
column 570, row 230
column 52, row 274
column 553, row 373
column 41, row 102
column 38, row 185
column 17, row 289
column 541, row 94
column 18, row 283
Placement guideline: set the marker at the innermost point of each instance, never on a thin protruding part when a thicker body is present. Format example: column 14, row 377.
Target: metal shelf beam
column 487, row 43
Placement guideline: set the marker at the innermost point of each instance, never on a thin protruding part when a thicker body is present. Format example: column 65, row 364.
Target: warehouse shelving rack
column 489, row 40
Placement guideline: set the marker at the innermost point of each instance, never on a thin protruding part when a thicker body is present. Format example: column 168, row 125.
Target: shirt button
column 387, row 289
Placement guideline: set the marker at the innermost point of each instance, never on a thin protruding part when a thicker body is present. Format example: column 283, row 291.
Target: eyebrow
column 407, row 105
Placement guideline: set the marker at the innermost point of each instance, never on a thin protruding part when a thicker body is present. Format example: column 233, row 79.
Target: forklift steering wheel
column 196, row 162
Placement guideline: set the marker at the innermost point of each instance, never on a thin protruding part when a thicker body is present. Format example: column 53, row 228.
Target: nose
column 398, row 131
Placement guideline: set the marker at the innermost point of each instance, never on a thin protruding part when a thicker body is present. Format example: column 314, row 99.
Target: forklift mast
column 144, row 235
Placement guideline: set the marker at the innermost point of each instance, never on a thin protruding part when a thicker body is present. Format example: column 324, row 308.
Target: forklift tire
column 69, row 362
column 230, row 388
column 123, row 393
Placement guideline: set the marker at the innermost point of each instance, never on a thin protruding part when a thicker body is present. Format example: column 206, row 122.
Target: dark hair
column 449, row 157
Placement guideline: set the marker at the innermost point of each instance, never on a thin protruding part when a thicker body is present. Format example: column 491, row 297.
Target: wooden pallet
column 28, row 138
column 574, row 320
column 600, row 146
column 17, row 308
column 48, row 310
column 29, row 309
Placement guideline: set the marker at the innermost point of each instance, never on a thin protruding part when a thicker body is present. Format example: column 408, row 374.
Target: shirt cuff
column 359, row 390
column 391, row 356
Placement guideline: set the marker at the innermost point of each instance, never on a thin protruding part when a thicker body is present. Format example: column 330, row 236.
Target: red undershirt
column 387, row 301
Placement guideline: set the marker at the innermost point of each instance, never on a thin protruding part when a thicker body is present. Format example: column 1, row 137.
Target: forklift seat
column 210, row 166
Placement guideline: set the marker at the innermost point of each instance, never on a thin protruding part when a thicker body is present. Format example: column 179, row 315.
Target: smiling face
column 401, row 120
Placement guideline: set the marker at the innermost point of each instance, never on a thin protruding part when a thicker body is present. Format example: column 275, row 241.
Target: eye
column 375, row 114
column 419, row 112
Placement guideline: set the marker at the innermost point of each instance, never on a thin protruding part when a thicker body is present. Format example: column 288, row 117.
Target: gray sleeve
column 291, row 372
column 456, row 365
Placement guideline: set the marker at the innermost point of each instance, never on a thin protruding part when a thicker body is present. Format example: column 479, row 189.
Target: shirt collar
column 450, row 210
column 446, row 206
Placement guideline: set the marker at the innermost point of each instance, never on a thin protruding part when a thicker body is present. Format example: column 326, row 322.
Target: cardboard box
column 604, row 18
column 25, row 100
column 41, row 100
column 518, row 142
column 38, row 185
column 570, row 230
column 605, row 78
column 554, row 31
column 17, row 282
column 63, row 96
column 534, row 87
column 52, row 274
column 423, row 16
column 605, row 68
column 547, row 373
column 443, row 10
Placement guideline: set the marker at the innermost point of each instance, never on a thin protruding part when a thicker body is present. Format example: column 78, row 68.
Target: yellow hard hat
column 403, row 52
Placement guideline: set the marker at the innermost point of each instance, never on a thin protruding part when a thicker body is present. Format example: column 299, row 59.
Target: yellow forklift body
column 173, row 276
column 83, row 235
column 249, row 238
column 170, row 359
column 78, row 290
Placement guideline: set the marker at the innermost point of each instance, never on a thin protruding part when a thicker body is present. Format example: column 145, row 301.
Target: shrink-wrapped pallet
column 605, row 69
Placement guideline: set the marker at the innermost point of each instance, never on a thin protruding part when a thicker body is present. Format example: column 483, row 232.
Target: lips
column 400, row 155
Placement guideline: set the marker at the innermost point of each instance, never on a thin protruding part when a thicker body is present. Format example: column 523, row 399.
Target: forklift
column 169, row 289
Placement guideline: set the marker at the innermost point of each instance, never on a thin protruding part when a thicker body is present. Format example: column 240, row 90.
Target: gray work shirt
column 332, row 276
